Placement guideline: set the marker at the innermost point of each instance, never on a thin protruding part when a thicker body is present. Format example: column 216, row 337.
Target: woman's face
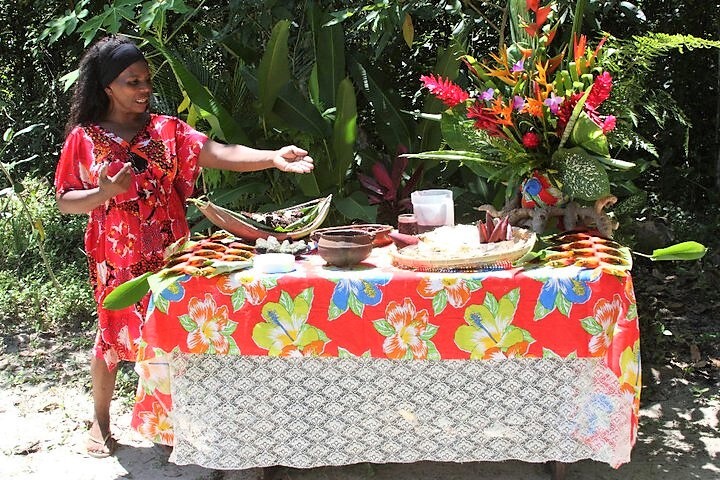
column 131, row 90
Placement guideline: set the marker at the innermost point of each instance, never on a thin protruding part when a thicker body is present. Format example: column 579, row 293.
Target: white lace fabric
column 239, row 412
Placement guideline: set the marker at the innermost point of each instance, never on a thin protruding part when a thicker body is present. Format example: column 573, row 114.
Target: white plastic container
column 274, row 262
column 433, row 208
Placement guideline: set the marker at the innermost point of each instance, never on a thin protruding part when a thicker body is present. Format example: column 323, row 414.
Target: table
column 322, row 366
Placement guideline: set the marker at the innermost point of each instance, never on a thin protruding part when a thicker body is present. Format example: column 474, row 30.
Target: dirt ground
column 45, row 409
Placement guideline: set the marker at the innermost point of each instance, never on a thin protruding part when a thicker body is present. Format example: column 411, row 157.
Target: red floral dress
column 127, row 236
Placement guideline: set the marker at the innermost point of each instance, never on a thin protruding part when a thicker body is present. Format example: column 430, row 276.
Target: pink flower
column 608, row 124
column 518, row 102
column 553, row 102
column 531, row 140
column 444, row 89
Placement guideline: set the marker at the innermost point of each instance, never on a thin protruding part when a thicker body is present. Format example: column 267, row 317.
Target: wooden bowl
column 380, row 233
column 344, row 248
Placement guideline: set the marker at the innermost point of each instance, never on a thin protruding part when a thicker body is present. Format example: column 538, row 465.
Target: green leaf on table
column 128, row 293
column 680, row 251
column 582, row 176
column 160, row 282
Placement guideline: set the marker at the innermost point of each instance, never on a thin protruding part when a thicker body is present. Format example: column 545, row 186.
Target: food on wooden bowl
column 343, row 248
column 460, row 247
column 291, row 223
column 379, row 232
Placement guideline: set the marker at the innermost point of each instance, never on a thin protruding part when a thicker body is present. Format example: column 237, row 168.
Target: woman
column 132, row 171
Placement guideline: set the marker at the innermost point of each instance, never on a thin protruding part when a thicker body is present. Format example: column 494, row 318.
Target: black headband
column 119, row 58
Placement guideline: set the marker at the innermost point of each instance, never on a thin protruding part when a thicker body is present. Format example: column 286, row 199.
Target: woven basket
column 522, row 243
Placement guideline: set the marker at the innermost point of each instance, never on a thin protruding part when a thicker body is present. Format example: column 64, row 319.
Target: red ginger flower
column 600, row 90
column 531, row 140
column 444, row 89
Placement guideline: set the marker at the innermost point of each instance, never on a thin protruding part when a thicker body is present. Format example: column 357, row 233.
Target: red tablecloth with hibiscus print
column 377, row 311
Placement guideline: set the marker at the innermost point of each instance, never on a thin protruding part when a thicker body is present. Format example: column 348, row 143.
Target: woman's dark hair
column 89, row 101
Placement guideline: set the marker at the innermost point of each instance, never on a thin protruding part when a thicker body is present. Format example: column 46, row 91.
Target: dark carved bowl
column 344, row 248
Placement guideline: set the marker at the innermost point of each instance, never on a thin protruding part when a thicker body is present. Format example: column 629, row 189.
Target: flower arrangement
column 532, row 118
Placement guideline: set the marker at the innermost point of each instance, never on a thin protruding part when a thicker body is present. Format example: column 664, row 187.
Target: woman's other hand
column 293, row 159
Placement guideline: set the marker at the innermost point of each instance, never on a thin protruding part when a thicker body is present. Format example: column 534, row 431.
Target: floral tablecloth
column 379, row 316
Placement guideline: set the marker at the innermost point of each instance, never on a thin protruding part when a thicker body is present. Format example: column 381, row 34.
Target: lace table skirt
column 237, row 412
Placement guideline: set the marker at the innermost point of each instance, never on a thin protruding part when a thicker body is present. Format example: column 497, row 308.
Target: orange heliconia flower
column 541, row 16
column 502, row 112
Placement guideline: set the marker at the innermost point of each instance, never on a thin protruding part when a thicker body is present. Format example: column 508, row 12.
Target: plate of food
column 459, row 247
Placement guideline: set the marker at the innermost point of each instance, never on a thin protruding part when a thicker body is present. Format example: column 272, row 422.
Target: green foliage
column 632, row 62
column 382, row 55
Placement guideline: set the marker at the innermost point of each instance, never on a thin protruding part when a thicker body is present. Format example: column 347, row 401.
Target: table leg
column 558, row 470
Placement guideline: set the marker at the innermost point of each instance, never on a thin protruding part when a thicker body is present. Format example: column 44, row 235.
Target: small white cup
column 433, row 208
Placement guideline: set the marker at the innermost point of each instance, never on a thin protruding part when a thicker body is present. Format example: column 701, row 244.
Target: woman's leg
column 103, row 386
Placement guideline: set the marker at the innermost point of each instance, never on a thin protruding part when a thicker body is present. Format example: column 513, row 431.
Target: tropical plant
column 389, row 187
column 537, row 106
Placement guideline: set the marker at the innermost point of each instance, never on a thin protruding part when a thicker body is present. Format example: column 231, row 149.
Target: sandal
column 107, row 444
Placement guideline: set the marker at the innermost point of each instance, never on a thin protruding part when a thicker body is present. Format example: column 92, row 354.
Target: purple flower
column 518, row 102
column 487, row 94
column 553, row 102
column 519, row 66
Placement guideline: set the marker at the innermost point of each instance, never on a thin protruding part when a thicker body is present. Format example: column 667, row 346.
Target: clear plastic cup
column 433, row 208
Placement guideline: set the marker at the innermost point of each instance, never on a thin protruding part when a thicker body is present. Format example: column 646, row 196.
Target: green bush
column 31, row 300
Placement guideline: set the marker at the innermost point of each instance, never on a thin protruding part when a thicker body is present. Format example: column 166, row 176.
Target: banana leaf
column 199, row 95
column 344, row 132
column 274, row 71
column 390, row 122
column 680, row 251
column 128, row 293
column 329, row 41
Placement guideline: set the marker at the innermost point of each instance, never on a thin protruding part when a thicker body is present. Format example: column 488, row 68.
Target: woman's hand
column 83, row 201
column 111, row 186
column 293, row 159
